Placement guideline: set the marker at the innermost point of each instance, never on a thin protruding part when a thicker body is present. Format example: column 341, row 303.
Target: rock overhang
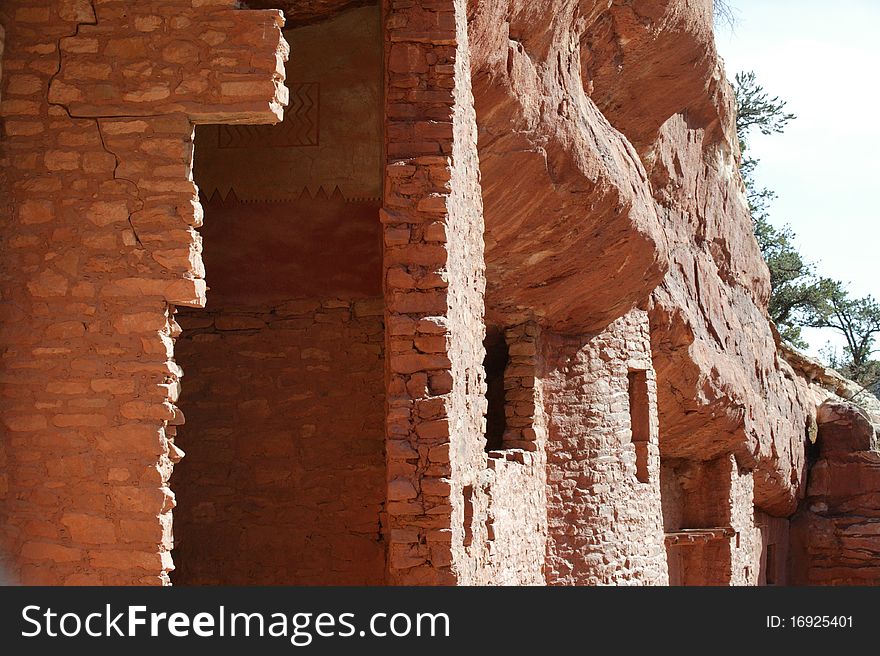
column 572, row 232
column 304, row 12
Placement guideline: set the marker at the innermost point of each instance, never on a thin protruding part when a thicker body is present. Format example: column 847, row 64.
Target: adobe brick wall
column 283, row 397
column 605, row 527
column 285, row 445
column 99, row 247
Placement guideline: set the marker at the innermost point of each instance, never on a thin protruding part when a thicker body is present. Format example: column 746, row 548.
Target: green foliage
column 797, row 291
column 723, row 13
column 795, row 287
column 755, row 108
column 858, row 320
column 799, row 297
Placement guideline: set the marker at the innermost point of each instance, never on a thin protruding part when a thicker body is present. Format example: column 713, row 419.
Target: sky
column 823, row 58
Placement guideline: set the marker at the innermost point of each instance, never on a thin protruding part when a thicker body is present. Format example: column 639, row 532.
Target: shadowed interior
column 284, row 479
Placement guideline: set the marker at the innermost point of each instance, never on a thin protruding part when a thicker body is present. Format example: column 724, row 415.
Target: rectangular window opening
column 640, row 420
column 495, row 364
column 770, row 565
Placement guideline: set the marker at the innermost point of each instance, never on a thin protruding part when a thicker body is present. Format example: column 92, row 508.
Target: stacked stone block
column 285, row 444
column 433, row 286
column 834, row 535
column 98, row 216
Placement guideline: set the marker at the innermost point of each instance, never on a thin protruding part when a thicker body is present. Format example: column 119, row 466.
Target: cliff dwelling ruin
column 423, row 292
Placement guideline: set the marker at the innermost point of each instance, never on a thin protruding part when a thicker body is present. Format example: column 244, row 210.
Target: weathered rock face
column 835, row 532
column 644, row 62
column 547, row 85
column 299, row 12
column 723, row 388
column 561, row 176
column 547, row 156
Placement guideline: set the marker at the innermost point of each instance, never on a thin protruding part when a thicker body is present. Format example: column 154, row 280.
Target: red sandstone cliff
column 561, row 173
column 620, row 114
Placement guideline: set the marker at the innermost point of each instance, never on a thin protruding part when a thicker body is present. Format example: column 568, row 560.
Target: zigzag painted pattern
column 299, row 127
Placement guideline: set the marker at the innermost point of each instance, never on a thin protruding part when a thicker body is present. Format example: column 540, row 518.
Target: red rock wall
column 708, row 320
column 442, row 496
column 284, row 444
column 99, row 246
column 572, row 234
column 508, row 524
column 2, row 45
column 835, row 536
column 284, row 397
column 695, row 496
column 594, row 204
column 605, row 526
column 709, row 518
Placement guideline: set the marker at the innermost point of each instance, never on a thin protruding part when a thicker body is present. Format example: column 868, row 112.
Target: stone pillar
column 99, row 214
column 745, row 545
column 434, row 284
column 605, row 524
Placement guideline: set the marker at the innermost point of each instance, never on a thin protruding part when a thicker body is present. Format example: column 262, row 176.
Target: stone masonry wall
column 433, row 227
column 443, row 495
column 507, row 525
column 605, row 526
column 709, row 517
column 99, row 242
column 745, row 545
column 285, row 445
column 505, row 521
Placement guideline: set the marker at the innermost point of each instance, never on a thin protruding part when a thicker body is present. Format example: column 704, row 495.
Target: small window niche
column 770, row 565
column 640, row 420
column 495, row 364
column 467, row 494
